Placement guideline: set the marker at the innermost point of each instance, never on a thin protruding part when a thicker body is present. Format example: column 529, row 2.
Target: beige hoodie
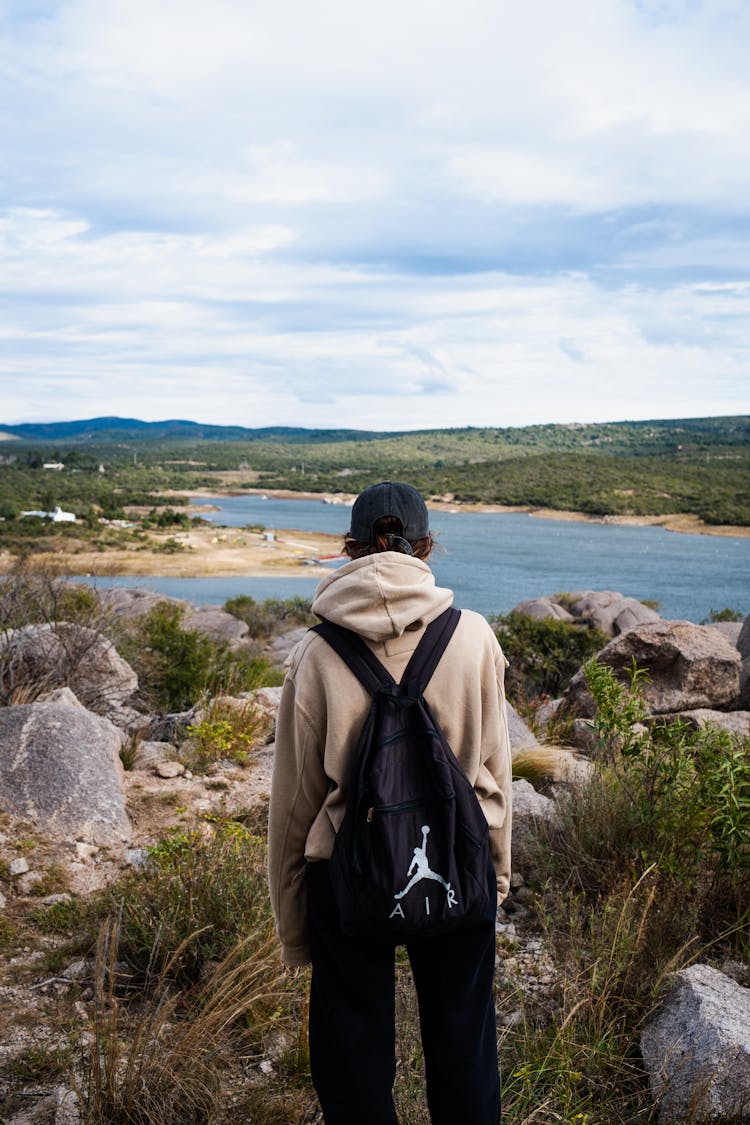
column 389, row 599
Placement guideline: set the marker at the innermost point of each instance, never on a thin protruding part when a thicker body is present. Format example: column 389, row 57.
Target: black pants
column 352, row 1020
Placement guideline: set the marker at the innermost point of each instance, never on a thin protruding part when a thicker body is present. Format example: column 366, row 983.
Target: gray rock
column 215, row 623
column 736, row 722
column 697, row 1049
column 60, row 695
column 521, row 736
column 18, row 867
column 148, row 754
column 281, row 646
column 210, row 620
column 730, row 629
column 171, row 727
column 609, row 611
column 583, row 735
column 3, row 901
column 60, row 767
column 169, row 769
column 546, row 712
column 688, row 666
column 545, row 609
column 529, row 808
column 74, row 656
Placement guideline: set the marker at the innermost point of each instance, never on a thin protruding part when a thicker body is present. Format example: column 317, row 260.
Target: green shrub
column 177, row 666
column 543, row 653
column 272, row 615
column 726, row 614
column 197, row 897
column 226, row 732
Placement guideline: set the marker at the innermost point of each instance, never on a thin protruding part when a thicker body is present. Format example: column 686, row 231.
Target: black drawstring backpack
column 411, row 858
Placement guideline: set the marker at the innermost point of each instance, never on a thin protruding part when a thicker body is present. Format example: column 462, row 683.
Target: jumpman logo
column 419, row 869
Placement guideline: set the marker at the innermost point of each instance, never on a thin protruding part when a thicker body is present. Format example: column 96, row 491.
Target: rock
column 268, row 699
column 27, row 882
column 85, row 853
column 56, row 899
column 529, row 807
column 209, row 620
column 3, row 901
column 171, row 727
column 60, row 695
column 18, row 867
column 80, row 970
column 281, row 646
column 74, row 656
column 736, row 722
column 543, row 609
column 609, row 611
column 743, row 647
column 148, row 754
column 169, row 769
column 60, row 767
column 521, row 736
column 215, row 623
column 583, row 735
column 137, row 858
column 688, row 666
column 697, row 1049
column 730, row 629
column 546, row 712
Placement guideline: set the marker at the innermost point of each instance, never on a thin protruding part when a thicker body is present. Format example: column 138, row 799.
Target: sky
column 381, row 214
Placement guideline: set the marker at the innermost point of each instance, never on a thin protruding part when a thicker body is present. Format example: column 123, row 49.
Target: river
column 494, row 560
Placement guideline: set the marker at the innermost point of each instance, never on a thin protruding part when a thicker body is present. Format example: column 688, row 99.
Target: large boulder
column 530, row 809
column 697, row 1049
column 66, row 655
column 209, row 620
column 736, row 722
column 60, row 767
column 688, row 666
column 545, row 609
column 521, row 736
column 609, row 611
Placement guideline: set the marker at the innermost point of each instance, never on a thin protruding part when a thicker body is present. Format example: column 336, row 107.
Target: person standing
column 387, row 594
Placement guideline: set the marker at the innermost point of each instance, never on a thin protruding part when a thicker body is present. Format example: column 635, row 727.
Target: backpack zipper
column 404, row 806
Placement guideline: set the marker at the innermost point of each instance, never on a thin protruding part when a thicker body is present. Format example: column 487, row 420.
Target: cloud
column 307, row 212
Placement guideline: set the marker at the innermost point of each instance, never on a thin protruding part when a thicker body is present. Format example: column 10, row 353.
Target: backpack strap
column 356, row 655
column 427, row 654
column 370, row 672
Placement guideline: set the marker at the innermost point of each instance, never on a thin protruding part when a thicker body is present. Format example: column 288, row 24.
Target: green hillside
column 698, row 466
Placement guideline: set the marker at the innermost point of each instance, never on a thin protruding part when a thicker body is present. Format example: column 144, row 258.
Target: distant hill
column 734, row 430
column 132, row 429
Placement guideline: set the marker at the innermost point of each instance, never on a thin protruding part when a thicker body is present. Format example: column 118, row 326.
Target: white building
column 58, row 516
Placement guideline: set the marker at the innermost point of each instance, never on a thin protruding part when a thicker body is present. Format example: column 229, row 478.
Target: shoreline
column 217, row 551
column 682, row 522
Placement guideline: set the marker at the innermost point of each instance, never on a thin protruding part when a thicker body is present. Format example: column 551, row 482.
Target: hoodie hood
column 382, row 595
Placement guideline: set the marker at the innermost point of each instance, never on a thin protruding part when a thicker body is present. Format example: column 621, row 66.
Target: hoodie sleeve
column 495, row 780
column 298, row 791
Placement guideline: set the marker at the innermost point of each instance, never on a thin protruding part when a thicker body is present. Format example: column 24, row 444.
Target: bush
column 543, row 653
column 647, row 868
column 177, row 666
column 272, row 615
column 226, row 732
column 198, row 896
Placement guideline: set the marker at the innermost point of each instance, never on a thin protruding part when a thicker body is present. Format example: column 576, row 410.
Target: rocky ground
column 65, row 836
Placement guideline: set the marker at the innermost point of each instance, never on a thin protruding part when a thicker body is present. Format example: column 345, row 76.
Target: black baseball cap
column 389, row 498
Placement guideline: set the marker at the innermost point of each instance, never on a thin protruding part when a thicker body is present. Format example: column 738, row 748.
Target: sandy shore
column 205, row 552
